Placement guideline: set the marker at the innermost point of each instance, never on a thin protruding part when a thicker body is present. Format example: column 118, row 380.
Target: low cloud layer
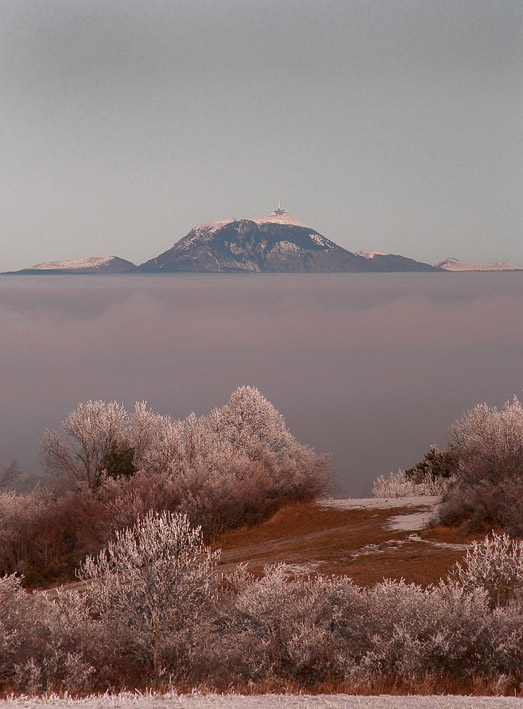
column 373, row 368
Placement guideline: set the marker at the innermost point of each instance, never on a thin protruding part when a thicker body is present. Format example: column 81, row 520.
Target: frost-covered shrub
column 487, row 487
column 324, row 630
column 45, row 645
column 282, row 626
column 400, row 485
column 431, row 476
column 153, row 611
column 496, row 565
column 413, row 632
column 150, row 585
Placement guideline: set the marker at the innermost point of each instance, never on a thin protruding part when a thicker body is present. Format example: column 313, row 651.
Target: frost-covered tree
column 87, row 437
column 151, row 584
column 254, row 427
column 488, row 443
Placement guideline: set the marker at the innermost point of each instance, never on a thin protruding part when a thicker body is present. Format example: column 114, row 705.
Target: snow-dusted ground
column 381, row 503
column 279, row 217
column 410, row 523
column 266, row 701
column 399, row 523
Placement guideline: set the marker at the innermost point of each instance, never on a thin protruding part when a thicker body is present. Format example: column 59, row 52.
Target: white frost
column 212, row 227
column 88, row 262
column 128, row 700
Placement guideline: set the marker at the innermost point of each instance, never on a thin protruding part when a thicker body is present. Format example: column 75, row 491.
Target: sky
column 386, row 124
column 373, row 368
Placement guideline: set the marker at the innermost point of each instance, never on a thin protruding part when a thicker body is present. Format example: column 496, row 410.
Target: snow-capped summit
column 453, row 264
column 279, row 216
column 89, row 264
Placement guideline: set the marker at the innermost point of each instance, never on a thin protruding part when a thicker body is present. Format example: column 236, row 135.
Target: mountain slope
column 276, row 243
column 394, row 262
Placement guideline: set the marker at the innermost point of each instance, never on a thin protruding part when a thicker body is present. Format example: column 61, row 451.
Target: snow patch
column 381, row 503
column 409, row 523
column 78, row 264
column 243, row 265
column 370, row 253
column 289, row 247
column 318, row 239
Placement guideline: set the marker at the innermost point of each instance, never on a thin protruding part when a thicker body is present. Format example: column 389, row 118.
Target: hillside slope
column 367, row 540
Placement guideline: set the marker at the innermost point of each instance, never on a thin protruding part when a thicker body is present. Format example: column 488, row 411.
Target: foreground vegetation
column 109, row 468
column 156, row 613
column 137, row 497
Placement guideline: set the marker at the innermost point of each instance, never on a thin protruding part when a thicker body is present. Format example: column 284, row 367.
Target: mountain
column 452, row 264
column 275, row 243
column 91, row 264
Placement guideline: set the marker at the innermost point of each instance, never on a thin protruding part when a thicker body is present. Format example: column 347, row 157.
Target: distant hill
column 91, row 264
column 12, row 479
column 452, row 264
column 276, row 243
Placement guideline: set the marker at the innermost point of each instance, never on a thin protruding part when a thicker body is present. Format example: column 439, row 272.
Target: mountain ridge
column 275, row 243
column 455, row 265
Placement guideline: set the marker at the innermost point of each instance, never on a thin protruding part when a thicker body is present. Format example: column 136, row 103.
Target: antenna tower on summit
column 279, row 210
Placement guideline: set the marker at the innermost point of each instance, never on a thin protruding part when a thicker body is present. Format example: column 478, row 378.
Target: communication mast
column 279, row 210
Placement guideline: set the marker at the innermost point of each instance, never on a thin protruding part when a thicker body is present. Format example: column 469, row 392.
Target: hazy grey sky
column 387, row 124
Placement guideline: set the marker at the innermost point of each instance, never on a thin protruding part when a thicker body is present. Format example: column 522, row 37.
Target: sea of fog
column 371, row 367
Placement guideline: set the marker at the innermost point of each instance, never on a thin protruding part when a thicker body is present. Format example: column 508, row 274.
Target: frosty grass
column 270, row 701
